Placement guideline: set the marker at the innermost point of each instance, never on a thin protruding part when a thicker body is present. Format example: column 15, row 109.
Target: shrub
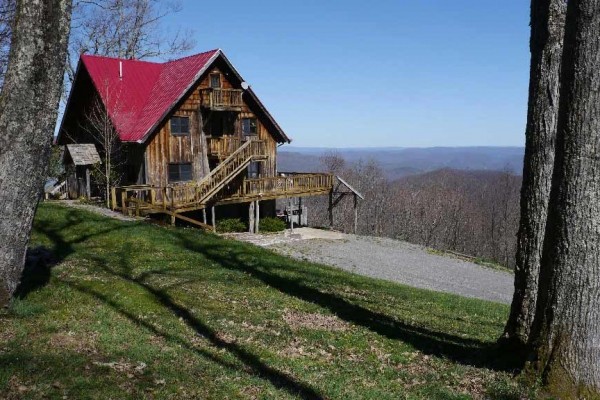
column 271, row 225
column 231, row 225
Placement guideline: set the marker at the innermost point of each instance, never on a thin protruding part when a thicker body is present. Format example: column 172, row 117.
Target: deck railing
column 222, row 146
column 224, row 98
column 178, row 198
column 287, row 185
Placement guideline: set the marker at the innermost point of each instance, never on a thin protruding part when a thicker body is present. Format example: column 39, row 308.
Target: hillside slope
column 113, row 309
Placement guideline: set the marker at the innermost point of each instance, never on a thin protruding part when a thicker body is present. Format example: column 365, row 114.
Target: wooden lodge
column 191, row 135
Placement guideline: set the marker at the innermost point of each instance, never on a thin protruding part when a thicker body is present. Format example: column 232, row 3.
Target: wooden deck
column 145, row 199
column 225, row 184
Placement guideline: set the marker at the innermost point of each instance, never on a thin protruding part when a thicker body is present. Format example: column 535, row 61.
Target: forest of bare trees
column 471, row 212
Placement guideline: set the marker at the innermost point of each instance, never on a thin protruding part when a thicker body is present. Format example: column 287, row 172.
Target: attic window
column 180, row 126
column 248, row 126
column 215, row 81
column 180, row 172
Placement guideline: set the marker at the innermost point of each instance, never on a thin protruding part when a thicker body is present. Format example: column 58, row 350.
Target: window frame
column 180, row 174
column 218, row 76
column 250, row 133
column 179, row 125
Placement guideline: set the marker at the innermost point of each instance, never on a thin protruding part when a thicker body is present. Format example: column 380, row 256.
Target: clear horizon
column 376, row 76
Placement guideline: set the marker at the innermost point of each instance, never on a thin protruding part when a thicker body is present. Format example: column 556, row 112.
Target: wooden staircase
column 198, row 194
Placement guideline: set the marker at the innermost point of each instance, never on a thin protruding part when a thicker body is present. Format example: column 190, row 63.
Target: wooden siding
column 164, row 148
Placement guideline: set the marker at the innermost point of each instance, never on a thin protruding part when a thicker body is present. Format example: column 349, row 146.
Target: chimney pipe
column 120, row 69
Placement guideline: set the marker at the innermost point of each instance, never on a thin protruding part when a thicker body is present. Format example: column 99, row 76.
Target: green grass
column 131, row 310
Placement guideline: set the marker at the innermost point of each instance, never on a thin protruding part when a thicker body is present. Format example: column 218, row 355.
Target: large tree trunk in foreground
column 547, row 31
column 28, row 108
column 566, row 330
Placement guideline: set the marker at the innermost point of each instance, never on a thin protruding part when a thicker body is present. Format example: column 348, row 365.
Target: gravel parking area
column 400, row 262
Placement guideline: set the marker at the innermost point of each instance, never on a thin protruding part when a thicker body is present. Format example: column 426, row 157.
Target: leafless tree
column 125, row 29
column 30, row 97
column 99, row 126
column 475, row 213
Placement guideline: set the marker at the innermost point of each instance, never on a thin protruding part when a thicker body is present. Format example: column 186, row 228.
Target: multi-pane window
column 215, row 81
column 249, row 126
column 180, row 126
column 180, row 172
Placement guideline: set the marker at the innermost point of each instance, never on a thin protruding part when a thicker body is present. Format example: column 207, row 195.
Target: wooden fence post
column 113, row 198
column 124, row 201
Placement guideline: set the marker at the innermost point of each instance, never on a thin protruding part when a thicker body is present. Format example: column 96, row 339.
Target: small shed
column 82, row 156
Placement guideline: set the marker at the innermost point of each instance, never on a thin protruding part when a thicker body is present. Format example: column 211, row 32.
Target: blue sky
column 402, row 73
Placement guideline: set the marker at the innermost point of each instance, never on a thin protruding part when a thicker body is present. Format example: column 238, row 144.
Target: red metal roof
column 146, row 92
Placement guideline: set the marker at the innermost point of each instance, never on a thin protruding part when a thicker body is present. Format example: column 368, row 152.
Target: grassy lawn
column 132, row 310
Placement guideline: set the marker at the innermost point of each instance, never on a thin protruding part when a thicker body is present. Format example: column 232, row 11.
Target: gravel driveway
column 405, row 263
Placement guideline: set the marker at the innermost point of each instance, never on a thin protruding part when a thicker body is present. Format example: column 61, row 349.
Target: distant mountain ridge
column 398, row 162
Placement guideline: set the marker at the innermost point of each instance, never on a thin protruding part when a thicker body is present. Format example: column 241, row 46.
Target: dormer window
column 180, row 126
column 215, row 80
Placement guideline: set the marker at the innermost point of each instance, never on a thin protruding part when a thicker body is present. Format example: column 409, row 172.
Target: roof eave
column 286, row 138
column 62, row 121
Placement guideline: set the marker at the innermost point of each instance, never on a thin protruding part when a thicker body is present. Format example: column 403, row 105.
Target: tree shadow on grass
column 294, row 282
column 62, row 248
column 291, row 280
column 41, row 259
column 252, row 362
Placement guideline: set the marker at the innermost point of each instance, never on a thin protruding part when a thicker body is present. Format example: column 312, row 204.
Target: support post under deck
column 214, row 218
column 257, row 218
column 355, row 214
column 331, row 209
column 251, row 217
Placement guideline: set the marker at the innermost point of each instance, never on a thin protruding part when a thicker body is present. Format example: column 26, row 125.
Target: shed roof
column 139, row 95
column 83, row 153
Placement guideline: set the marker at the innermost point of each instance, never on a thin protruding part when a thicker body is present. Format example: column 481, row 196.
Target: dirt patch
column 251, row 392
column 298, row 320
column 299, row 348
column 73, row 342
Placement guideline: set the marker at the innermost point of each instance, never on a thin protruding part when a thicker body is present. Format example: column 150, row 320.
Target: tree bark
column 28, row 108
column 565, row 336
column 547, row 31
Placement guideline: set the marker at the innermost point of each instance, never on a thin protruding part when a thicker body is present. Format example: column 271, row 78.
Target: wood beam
column 251, row 214
column 214, row 219
column 355, row 214
column 257, row 219
column 331, row 209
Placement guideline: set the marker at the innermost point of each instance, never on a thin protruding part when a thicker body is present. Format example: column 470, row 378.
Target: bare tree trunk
column 28, row 107
column 547, row 30
column 565, row 335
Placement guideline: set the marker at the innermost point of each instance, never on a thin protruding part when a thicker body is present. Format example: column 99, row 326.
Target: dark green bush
column 231, row 225
column 271, row 225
